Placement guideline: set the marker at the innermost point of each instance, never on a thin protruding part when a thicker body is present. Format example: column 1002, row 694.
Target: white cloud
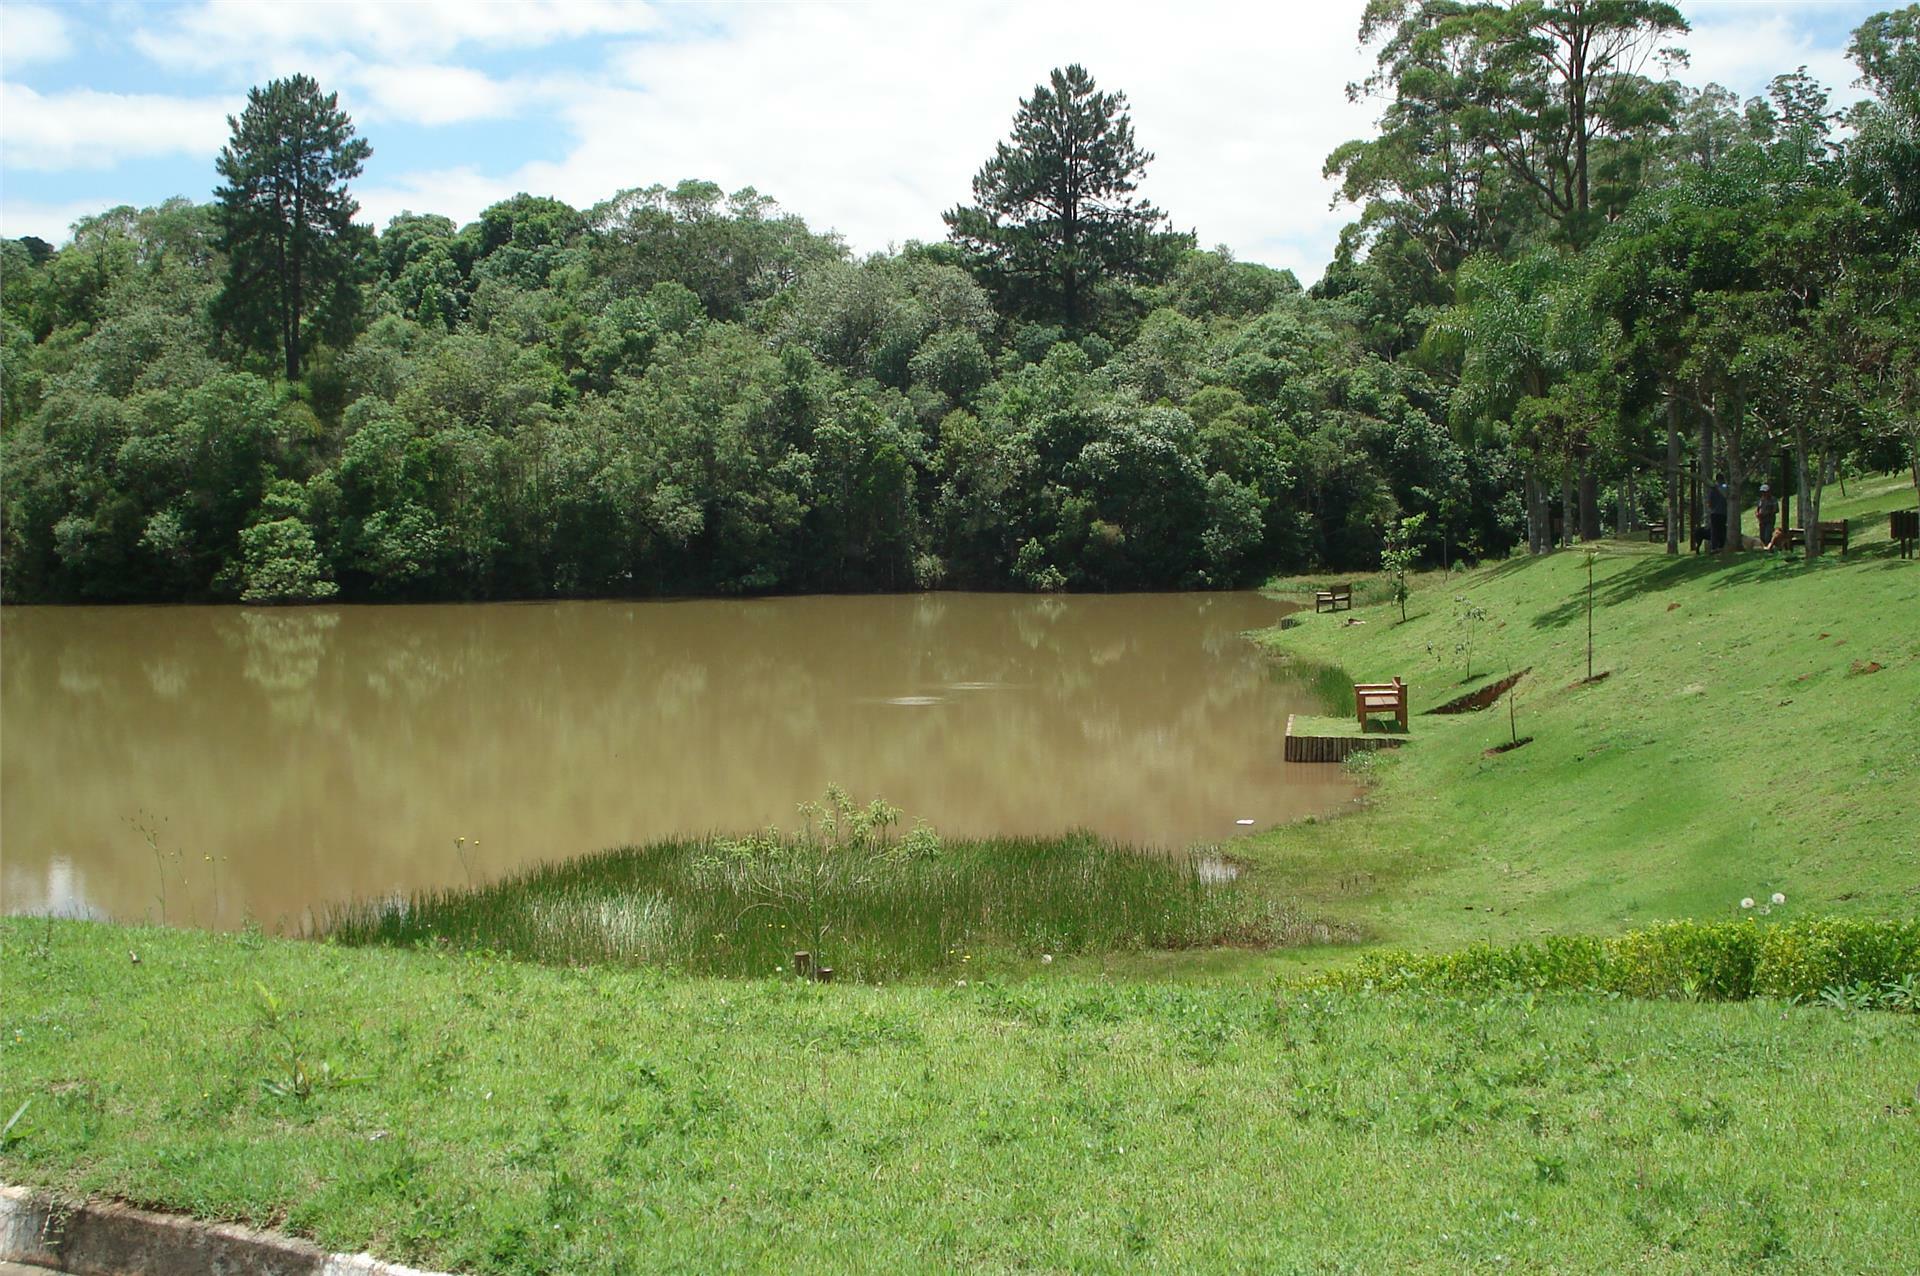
column 51, row 222
column 431, row 94
column 866, row 118
column 32, row 33
column 84, row 128
column 459, row 193
column 236, row 32
column 872, row 119
column 1742, row 47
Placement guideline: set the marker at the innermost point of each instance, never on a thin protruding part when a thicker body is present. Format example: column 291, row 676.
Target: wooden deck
column 1304, row 745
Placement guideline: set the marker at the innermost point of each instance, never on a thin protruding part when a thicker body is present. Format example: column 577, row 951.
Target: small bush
column 1711, row 961
column 1872, row 962
column 1805, row 959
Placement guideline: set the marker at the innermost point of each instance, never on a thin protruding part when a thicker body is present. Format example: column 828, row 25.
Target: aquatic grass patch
column 1329, row 685
column 744, row 907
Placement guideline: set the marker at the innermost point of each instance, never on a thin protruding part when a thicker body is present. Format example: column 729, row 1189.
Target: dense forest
column 1577, row 292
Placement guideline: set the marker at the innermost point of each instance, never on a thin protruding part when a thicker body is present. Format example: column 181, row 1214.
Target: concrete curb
column 93, row 1238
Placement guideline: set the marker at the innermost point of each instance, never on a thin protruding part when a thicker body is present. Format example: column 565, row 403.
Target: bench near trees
column 1904, row 527
column 1380, row 697
column 1834, row 533
column 1335, row 598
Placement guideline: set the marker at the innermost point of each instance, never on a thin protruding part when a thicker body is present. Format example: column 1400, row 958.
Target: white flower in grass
column 1778, row 898
column 1747, row 902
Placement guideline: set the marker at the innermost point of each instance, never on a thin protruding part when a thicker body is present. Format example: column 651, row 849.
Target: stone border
column 94, row 1238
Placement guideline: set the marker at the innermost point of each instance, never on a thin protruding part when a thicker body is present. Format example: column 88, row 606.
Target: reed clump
column 848, row 891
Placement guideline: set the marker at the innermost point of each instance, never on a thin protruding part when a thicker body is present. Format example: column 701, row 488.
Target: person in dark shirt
column 1717, row 515
column 1766, row 509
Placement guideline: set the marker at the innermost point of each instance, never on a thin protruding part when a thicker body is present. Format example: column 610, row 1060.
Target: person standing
column 1766, row 509
column 1717, row 515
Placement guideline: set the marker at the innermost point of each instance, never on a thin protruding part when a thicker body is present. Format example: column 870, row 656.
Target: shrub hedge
column 1802, row 960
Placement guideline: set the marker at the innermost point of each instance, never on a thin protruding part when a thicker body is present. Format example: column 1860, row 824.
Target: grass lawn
column 1758, row 731
column 503, row 1117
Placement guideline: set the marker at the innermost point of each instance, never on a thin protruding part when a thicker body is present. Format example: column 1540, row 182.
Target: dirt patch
column 1508, row 747
column 1602, row 676
column 1866, row 666
column 1474, row 701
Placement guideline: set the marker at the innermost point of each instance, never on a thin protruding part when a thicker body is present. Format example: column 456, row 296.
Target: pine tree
column 286, row 220
column 1054, row 213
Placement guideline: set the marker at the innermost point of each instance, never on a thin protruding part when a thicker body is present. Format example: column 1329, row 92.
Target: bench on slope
column 1335, row 598
column 1380, row 697
column 1834, row 533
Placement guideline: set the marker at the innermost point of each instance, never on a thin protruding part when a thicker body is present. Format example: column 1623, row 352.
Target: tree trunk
column 1913, row 457
column 1736, row 473
column 1628, row 519
column 1811, row 507
column 1786, row 489
column 1527, row 485
column 1673, row 476
column 1589, row 503
column 1806, row 502
column 1542, row 516
column 1566, row 503
column 1702, row 525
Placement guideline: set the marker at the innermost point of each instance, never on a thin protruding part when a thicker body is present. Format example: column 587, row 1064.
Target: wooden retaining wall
column 1486, row 697
column 1332, row 748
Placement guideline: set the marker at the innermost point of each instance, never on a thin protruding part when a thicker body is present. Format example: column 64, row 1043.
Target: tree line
column 1570, row 274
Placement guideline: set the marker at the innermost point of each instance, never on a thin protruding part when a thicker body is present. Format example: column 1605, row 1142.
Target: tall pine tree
column 286, row 220
column 1054, row 213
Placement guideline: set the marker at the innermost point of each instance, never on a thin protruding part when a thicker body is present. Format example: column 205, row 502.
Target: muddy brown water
column 211, row 765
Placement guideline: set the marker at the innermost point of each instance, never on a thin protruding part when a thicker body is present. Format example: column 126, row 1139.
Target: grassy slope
column 1732, row 752
column 506, row 1117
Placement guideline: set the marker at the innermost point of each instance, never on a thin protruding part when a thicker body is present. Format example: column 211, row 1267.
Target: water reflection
column 290, row 757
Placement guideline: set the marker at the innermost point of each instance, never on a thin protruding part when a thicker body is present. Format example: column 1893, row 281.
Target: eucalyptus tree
column 286, row 219
column 1056, row 211
column 1549, row 92
column 1423, row 177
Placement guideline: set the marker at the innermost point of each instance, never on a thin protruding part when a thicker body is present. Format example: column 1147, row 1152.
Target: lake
column 210, row 765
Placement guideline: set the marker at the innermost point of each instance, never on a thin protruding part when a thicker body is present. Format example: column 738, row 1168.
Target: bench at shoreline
column 1380, row 697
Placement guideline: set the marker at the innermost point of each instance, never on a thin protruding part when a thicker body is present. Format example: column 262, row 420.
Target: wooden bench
column 1656, row 532
column 1904, row 526
column 1380, row 697
column 1830, row 534
column 1334, row 599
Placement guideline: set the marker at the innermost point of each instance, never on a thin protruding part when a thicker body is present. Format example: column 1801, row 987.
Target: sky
column 868, row 119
